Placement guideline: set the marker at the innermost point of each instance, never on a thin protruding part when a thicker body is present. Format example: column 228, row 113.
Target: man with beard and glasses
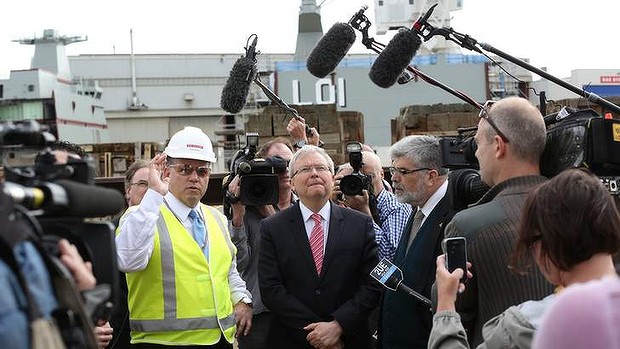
column 417, row 179
column 392, row 215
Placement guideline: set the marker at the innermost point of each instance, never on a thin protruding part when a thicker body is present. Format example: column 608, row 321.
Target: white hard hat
column 190, row 143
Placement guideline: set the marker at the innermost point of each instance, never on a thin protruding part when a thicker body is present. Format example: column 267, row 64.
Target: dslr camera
column 356, row 182
column 259, row 180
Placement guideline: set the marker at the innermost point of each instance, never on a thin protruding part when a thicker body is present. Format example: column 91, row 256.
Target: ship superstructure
column 48, row 93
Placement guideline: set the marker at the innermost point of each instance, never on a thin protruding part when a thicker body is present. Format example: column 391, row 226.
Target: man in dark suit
column 314, row 264
column 417, row 179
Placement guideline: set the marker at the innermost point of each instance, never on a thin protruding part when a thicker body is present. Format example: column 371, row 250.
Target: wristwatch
column 247, row 301
column 299, row 144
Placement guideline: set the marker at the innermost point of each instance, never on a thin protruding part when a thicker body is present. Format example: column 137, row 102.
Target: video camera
column 357, row 181
column 575, row 138
column 259, row 181
column 55, row 199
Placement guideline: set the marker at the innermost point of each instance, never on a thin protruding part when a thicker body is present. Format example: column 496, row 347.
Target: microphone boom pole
column 472, row 44
column 362, row 23
column 280, row 103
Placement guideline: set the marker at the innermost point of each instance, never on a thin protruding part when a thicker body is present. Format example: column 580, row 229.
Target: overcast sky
column 558, row 34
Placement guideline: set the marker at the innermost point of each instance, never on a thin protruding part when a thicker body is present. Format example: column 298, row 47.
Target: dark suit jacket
column 405, row 321
column 297, row 296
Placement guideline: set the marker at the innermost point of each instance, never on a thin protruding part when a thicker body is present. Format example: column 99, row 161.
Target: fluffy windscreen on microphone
column 395, row 58
column 330, row 50
column 237, row 86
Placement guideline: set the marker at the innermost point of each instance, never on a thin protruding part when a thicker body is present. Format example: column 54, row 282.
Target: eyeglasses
column 308, row 169
column 141, row 183
column 484, row 114
column 186, row 170
column 404, row 171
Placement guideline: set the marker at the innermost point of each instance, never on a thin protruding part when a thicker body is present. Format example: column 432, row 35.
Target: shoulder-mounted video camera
column 258, row 176
column 575, row 138
column 56, row 198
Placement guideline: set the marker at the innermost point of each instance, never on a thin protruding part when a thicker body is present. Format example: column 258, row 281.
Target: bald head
column 372, row 162
column 372, row 166
column 523, row 125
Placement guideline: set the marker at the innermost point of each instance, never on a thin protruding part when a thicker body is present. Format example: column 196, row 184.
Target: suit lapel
column 335, row 232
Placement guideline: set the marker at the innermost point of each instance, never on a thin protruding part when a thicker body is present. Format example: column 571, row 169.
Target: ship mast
column 49, row 52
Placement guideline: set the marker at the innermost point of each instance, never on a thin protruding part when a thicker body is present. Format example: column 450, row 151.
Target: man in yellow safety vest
column 184, row 288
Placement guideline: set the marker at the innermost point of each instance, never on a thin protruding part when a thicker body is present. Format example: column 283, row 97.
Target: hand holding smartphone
column 456, row 255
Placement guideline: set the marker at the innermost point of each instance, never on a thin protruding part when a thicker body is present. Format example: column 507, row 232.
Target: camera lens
column 259, row 189
column 351, row 185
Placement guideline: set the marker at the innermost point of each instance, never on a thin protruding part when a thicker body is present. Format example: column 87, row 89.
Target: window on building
column 30, row 88
column 410, row 2
column 1, row 91
column 380, row 2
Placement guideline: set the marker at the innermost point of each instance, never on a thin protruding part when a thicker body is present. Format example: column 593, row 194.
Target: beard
column 415, row 197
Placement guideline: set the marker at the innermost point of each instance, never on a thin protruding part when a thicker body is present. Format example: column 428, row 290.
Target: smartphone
column 456, row 255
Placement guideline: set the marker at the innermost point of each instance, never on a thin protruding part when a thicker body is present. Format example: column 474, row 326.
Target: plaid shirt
column 393, row 216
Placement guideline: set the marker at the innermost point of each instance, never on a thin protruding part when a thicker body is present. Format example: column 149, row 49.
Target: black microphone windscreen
column 237, row 86
column 330, row 50
column 395, row 57
column 88, row 201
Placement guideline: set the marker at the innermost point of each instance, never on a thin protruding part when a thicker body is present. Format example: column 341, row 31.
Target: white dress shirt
column 135, row 242
column 325, row 213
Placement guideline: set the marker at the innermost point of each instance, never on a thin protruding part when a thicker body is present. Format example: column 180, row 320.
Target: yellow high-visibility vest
column 180, row 298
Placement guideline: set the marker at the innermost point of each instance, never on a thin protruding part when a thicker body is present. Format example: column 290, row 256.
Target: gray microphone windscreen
column 330, row 50
column 237, row 86
column 395, row 57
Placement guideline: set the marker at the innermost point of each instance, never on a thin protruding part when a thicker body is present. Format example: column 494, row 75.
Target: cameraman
column 510, row 138
column 392, row 215
column 23, row 265
column 244, row 228
column 63, row 151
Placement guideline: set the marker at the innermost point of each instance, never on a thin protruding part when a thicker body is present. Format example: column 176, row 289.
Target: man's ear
column 432, row 175
column 500, row 147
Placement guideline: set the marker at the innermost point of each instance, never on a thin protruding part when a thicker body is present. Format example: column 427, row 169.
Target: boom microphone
column 67, row 198
column 395, row 58
column 237, row 86
column 330, row 50
column 391, row 278
column 235, row 92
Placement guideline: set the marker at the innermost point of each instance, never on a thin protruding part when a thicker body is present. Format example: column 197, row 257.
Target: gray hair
column 131, row 171
column 523, row 125
column 424, row 151
column 309, row 149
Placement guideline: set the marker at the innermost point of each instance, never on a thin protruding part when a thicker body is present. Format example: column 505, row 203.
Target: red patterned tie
column 316, row 242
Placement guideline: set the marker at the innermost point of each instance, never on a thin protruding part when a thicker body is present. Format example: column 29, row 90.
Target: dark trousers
column 222, row 344
column 257, row 338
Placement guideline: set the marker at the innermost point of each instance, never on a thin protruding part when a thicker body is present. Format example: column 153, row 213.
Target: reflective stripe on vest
column 223, row 227
column 170, row 322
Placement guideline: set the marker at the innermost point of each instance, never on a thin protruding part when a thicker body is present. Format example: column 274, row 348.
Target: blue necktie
column 198, row 229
